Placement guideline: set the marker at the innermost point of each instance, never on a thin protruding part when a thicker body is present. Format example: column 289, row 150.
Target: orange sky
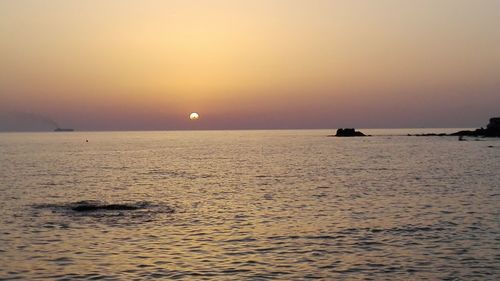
column 251, row 64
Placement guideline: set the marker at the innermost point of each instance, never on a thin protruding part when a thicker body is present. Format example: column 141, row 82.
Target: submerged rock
column 86, row 206
column 118, row 214
column 89, row 206
column 349, row 132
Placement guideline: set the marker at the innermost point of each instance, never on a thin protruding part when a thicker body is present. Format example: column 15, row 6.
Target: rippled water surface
column 248, row 205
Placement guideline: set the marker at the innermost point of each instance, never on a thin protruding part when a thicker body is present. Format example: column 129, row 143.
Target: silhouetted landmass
column 25, row 122
column 63, row 130
column 492, row 130
column 348, row 132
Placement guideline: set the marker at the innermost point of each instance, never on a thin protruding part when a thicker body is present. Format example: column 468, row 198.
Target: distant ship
column 63, row 130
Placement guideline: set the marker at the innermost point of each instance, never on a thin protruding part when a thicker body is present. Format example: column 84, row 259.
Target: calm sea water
column 249, row 205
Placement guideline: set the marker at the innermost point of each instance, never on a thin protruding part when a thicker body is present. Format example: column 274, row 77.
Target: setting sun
column 194, row 116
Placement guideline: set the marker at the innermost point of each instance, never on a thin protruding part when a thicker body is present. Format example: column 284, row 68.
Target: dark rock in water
column 492, row 130
column 110, row 213
column 94, row 205
column 467, row 133
column 109, row 207
column 349, row 132
column 494, row 124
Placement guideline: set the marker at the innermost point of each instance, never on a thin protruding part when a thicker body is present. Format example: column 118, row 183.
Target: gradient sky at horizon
column 126, row 65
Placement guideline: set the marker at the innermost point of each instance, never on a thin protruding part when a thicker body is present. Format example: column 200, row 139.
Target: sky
column 259, row 64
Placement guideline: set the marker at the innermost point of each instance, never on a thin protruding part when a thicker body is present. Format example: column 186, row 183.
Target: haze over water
column 249, row 205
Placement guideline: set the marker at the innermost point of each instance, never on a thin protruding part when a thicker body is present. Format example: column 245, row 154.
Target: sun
column 194, row 116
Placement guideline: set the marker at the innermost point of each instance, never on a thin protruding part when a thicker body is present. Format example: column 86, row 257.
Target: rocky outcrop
column 349, row 132
column 494, row 124
column 492, row 130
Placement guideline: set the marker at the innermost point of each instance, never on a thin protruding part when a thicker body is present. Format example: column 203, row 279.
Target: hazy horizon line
column 242, row 129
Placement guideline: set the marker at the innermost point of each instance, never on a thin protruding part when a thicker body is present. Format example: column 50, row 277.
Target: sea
column 249, row 205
